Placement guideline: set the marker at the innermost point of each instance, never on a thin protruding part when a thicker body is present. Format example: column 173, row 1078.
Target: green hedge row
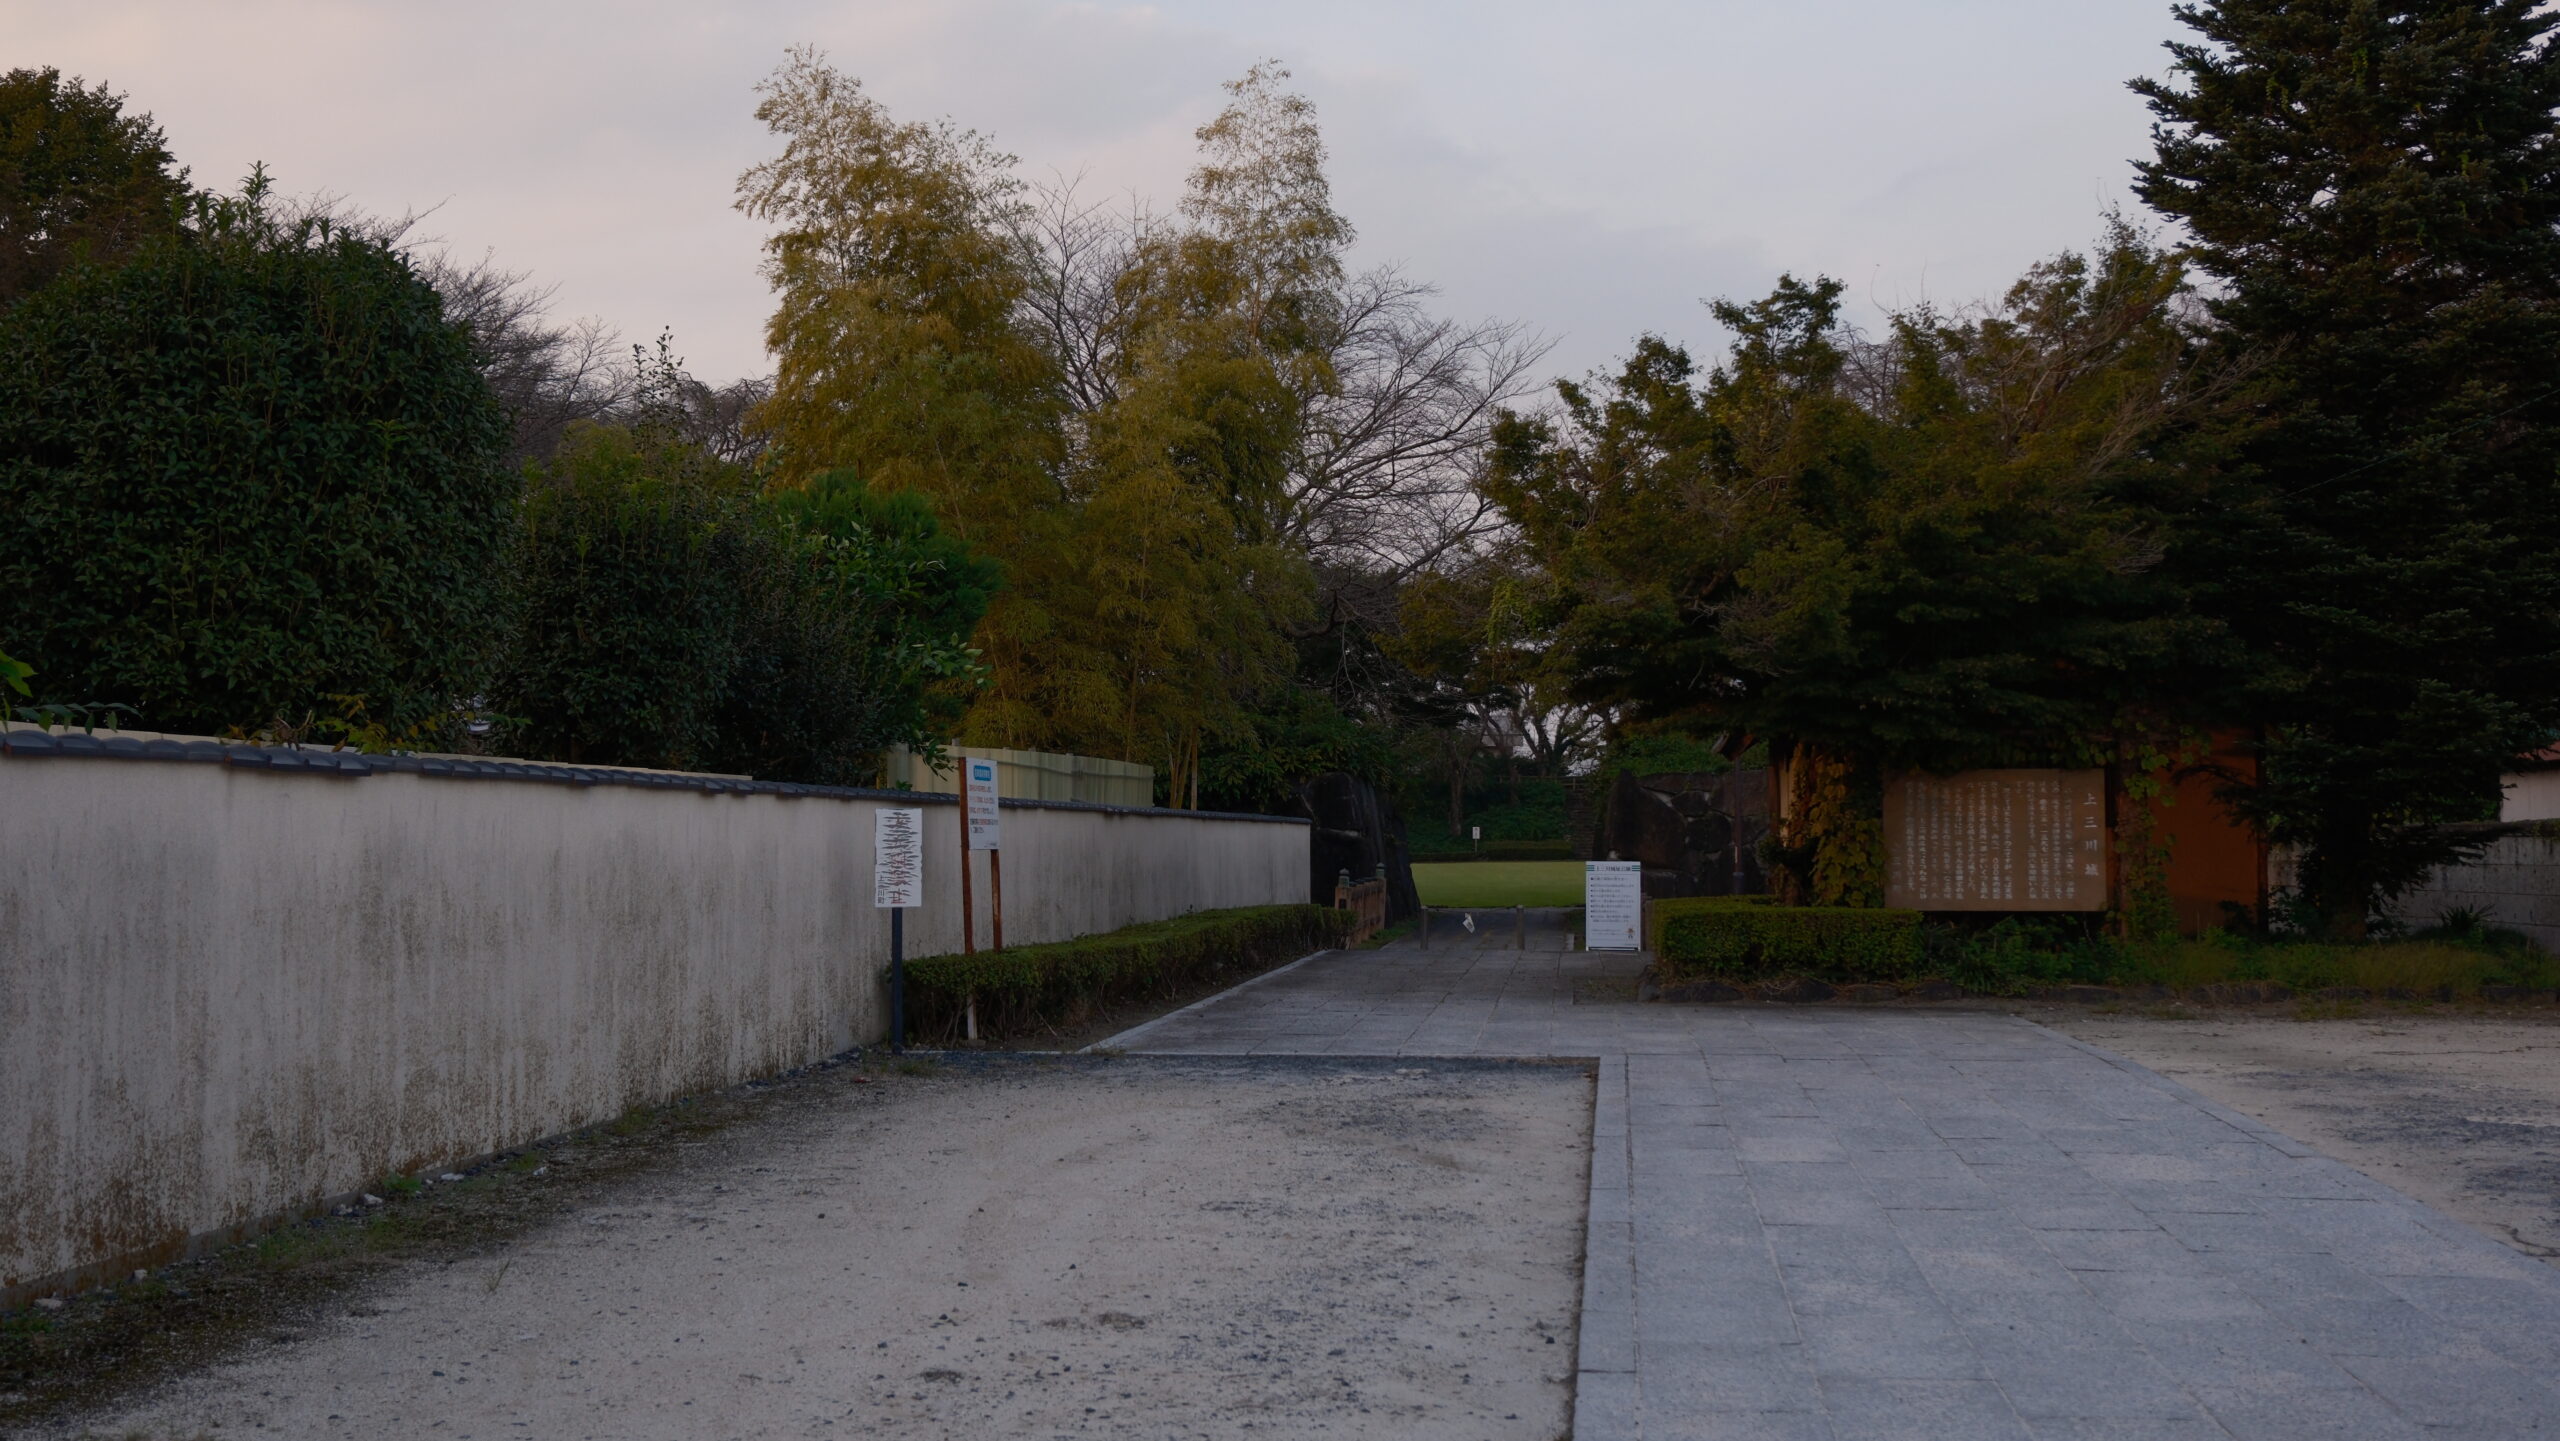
column 1502, row 851
column 1023, row 990
column 1748, row 939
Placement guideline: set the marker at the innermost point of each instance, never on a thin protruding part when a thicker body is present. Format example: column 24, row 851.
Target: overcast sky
column 1592, row 169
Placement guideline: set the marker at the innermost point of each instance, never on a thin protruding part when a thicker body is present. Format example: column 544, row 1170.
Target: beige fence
column 1034, row 776
column 237, row 983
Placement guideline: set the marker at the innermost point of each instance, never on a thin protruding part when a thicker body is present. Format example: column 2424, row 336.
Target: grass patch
column 1031, row 990
column 1462, row 884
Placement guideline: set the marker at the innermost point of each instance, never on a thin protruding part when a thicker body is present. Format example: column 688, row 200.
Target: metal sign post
column 897, row 882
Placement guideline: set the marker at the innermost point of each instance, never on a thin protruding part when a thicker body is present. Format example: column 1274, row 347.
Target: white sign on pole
column 985, row 820
column 1612, row 905
column 897, row 858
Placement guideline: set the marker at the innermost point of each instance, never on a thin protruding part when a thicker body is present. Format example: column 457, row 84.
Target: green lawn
column 1499, row 883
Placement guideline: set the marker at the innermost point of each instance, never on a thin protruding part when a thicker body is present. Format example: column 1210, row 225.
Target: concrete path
column 1853, row 1223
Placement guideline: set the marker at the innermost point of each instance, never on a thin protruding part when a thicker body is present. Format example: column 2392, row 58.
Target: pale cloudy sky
column 1593, row 169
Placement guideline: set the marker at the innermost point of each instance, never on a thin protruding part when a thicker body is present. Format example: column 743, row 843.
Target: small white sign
column 985, row 818
column 1479, row 832
column 1612, row 905
column 897, row 858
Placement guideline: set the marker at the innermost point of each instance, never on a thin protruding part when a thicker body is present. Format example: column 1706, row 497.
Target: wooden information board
column 2025, row 840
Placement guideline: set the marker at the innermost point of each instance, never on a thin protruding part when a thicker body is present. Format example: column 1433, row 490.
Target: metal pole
column 995, row 884
column 898, row 980
column 1422, row 928
column 1519, row 928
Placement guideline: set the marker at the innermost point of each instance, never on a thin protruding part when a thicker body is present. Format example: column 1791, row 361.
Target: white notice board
column 985, row 819
column 1613, row 905
column 897, row 858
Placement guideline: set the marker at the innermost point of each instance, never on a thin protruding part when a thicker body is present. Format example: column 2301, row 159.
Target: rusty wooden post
column 995, row 888
column 968, row 907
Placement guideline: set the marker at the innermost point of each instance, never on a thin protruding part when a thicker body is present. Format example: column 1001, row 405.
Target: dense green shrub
column 249, row 469
column 2020, row 954
column 857, row 636
column 1748, row 939
column 629, row 568
column 668, row 615
column 1501, row 851
column 1025, row 989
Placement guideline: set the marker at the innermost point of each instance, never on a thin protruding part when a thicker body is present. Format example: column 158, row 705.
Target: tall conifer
column 2375, row 185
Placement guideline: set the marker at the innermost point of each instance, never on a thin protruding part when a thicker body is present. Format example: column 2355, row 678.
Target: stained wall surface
column 2515, row 883
column 229, row 995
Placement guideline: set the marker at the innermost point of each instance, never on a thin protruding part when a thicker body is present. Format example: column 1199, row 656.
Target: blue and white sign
column 986, row 819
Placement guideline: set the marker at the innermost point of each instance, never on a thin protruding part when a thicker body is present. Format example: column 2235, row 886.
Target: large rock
column 1696, row 832
column 1356, row 832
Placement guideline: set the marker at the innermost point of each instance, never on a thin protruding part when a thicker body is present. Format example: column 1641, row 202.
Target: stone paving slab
column 1854, row 1223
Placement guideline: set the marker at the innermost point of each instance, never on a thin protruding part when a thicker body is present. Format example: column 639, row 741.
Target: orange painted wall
column 2214, row 857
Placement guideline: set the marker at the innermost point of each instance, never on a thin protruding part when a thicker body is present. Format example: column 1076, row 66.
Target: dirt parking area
column 1012, row 1246
column 2461, row 1111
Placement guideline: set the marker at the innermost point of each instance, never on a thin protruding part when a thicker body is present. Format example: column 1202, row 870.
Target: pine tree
column 2375, row 185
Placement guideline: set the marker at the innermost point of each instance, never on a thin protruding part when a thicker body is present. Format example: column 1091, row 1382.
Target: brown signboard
column 2025, row 840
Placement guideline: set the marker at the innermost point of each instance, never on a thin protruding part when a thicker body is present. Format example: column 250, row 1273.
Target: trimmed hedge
column 1747, row 938
column 1025, row 989
column 1501, row 851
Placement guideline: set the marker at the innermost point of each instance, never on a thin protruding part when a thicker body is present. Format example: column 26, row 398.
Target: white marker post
column 985, row 820
column 897, row 882
column 1612, row 905
column 986, row 833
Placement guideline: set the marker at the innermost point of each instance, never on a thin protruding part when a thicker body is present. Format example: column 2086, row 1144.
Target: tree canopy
column 249, row 469
column 2375, row 191
column 1915, row 550
column 1161, row 428
column 79, row 178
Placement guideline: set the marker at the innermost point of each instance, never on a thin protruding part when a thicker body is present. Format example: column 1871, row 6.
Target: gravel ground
column 1013, row 1247
column 2460, row 1111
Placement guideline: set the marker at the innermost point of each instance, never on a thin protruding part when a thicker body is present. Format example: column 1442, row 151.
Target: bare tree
column 1384, row 478
column 716, row 420
column 548, row 374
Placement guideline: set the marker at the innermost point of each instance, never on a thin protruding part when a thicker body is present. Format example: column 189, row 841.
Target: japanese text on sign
column 897, row 858
column 1612, row 905
column 2012, row 840
column 986, row 820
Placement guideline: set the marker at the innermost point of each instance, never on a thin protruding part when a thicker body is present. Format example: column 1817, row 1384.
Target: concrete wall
column 228, row 994
column 2516, row 881
column 2531, row 796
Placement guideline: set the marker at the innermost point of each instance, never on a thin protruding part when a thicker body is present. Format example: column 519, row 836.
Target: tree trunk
column 1457, row 786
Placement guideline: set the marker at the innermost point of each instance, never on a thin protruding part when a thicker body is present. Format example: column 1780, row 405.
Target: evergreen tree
column 250, row 473
column 2376, row 184
column 79, row 178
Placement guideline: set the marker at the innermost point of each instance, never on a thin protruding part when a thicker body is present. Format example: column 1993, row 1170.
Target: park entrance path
column 1851, row 1223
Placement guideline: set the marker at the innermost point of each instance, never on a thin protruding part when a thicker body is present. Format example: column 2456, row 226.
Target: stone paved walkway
column 1851, row 1223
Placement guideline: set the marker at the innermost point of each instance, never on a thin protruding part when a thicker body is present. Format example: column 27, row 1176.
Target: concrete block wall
column 2516, row 882
column 229, row 991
